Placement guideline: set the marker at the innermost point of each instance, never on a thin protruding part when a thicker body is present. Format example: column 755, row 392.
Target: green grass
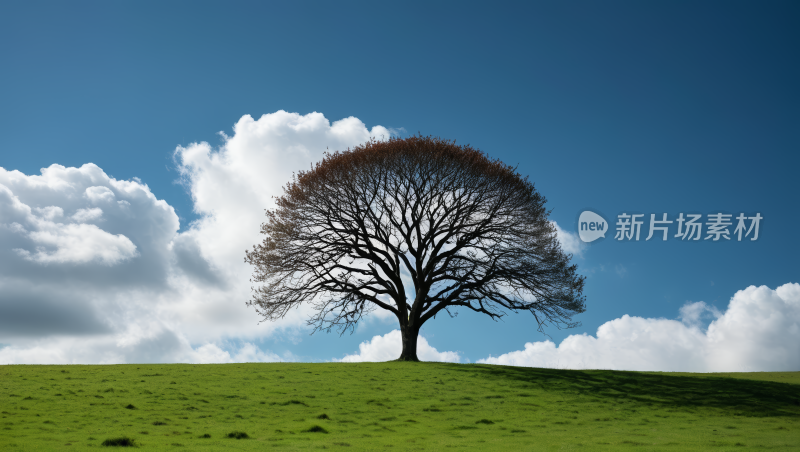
column 393, row 406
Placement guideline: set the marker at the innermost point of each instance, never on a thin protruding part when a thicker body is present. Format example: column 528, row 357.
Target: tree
column 414, row 226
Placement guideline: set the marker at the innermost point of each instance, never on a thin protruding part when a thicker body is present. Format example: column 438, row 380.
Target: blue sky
column 636, row 107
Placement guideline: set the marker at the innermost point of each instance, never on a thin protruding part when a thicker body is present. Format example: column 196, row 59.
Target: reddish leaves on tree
column 414, row 226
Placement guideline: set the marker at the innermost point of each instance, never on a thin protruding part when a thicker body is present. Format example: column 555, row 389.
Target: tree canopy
column 414, row 226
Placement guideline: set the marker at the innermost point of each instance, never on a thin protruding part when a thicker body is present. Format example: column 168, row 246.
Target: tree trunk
column 410, row 335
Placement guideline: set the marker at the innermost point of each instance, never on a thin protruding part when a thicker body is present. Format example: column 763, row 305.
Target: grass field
column 394, row 407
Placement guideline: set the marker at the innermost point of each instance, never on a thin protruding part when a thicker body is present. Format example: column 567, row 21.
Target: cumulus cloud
column 693, row 314
column 233, row 184
column 94, row 270
column 86, row 215
column 99, row 195
column 45, row 220
column 389, row 346
column 759, row 331
column 77, row 243
column 60, row 273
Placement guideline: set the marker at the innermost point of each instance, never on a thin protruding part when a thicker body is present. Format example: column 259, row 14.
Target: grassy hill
column 394, row 407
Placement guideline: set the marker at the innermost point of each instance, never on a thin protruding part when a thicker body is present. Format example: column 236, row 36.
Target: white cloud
column 570, row 242
column 389, row 346
column 99, row 194
column 759, row 331
column 231, row 186
column 247, row 353
column 60, row 275
column 162, row 347
column 692, row 314
column 54, row 241
column 50, row 212
column 79, row 244
column 94, row 270
column 87, row 215
column 210, row 353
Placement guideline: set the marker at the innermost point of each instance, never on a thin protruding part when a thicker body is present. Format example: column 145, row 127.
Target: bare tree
column 413, row 226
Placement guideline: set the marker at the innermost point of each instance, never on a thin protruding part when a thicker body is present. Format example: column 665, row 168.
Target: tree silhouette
column 414, row 226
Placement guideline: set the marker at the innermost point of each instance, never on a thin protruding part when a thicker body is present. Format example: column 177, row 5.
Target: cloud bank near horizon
column 759, row 331
column 389, row 346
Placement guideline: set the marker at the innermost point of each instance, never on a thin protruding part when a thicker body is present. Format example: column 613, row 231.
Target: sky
column 140, row 143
